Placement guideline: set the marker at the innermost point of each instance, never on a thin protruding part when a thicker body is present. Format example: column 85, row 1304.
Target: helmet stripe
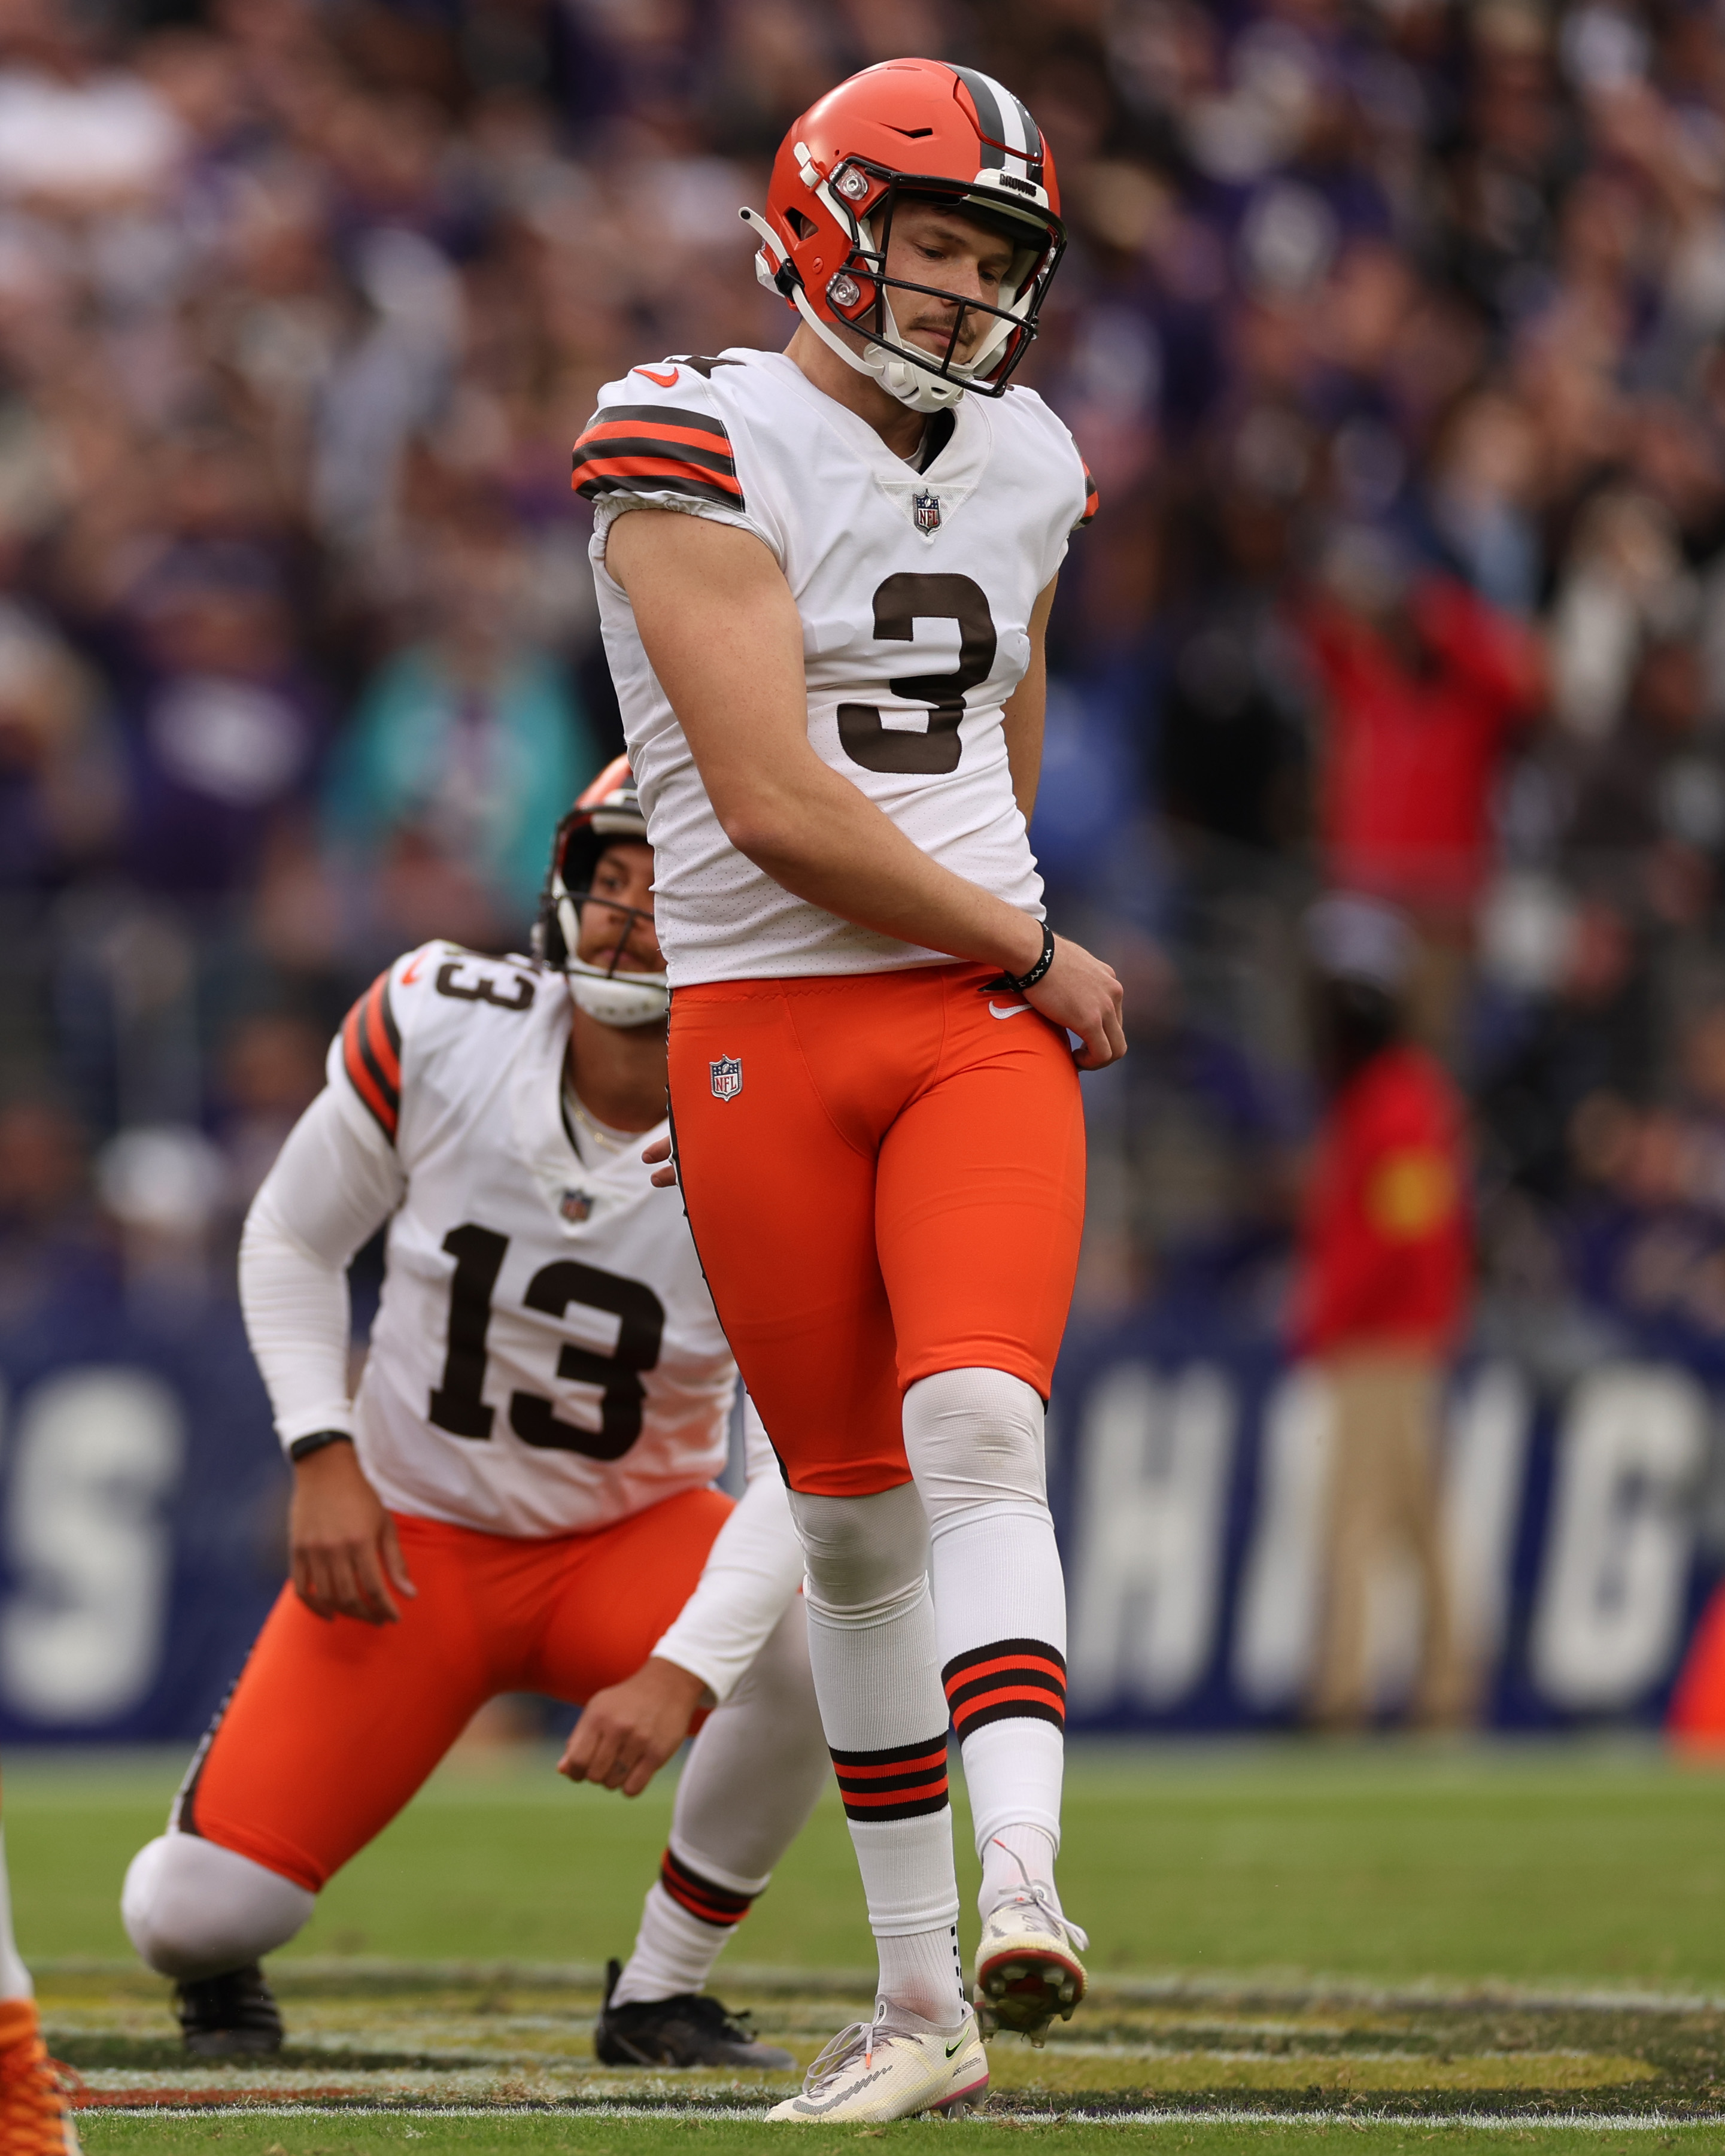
column 982, row 95
column 1033, row 140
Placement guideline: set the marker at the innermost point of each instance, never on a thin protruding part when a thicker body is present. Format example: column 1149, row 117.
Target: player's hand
column 345, row 1556
column 627, row 1731
column 657, row 1157
column 1083, row 993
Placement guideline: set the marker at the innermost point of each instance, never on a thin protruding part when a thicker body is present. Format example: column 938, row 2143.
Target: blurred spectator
column 223, row 731
column 1394, row 335
column 1380, row 1300
column 463, row 753
column 1423, row 684
column 50, row 1237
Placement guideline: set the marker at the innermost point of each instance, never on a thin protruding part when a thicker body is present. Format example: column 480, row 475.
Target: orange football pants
column 334, row 1724
column 891, row 1184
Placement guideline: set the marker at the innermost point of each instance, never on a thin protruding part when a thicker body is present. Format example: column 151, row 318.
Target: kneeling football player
column 520, row 1496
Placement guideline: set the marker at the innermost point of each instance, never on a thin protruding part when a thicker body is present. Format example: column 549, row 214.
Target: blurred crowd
column 1393, row 332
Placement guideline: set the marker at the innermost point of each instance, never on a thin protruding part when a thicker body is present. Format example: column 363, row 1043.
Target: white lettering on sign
column 1275, row 1629
column 1484, row 1473
column 1157, row 1457
column 1621, row 1534
column 97, row 1451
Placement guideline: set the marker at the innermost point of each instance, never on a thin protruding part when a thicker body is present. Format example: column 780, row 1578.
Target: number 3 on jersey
column 900, row 602
column 457, row 1404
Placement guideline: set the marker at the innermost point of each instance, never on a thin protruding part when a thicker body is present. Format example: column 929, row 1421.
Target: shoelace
column 831, row 2060
column 1034, row 1891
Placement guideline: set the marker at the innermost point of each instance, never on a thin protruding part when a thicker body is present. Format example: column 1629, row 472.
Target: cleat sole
column 1024, row 1991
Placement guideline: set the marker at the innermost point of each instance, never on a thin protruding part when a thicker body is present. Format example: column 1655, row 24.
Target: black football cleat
column 231, row 2016
column 689, row 2031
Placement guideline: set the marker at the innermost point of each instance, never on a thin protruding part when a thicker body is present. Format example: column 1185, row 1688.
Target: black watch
column 1023, row 981
column 302, row 1448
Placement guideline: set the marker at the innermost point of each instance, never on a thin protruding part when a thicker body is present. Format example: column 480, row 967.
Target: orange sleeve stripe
column 677, row 437
column 371, row 1055
column 377, row 1039
column 654, row 467
column 363, row 1083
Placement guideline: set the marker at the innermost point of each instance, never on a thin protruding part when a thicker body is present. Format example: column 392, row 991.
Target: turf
column 1379, row 1944
column 1565, row 1865
column 610, row 2137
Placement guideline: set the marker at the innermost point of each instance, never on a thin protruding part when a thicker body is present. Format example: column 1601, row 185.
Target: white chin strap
column 911, row 384
column 623, row 999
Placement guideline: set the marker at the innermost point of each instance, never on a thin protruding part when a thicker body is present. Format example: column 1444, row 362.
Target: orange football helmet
column 922, row 130
column 607, row 810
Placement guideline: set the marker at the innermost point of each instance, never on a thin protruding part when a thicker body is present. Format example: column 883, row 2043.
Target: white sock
column 974, row 1441
column 922, row 1972
column 872, row 1646
column 1014, row 1859
column 674, row 1951
column 754, row 1772
column 194, row 1909
column 14, row 1978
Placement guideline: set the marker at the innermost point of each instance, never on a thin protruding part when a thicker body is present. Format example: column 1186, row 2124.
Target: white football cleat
column 1027, row 1965
column 892, row 2068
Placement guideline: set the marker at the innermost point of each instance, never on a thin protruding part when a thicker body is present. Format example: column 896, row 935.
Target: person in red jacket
column 1381, row 1295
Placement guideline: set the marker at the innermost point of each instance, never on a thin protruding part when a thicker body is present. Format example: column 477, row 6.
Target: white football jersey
column 546, row 1359
column 915, row 590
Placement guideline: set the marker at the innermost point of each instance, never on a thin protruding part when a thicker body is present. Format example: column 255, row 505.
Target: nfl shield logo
column 576, row 1205
column 926, row 508
column 728, row 1077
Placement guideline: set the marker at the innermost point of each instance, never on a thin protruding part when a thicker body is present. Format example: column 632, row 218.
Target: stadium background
column 302, row 303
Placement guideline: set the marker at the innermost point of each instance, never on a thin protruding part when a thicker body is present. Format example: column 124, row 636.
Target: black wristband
column 1023, row 981
column 302, row 1448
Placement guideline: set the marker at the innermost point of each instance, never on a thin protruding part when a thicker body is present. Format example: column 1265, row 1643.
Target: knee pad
column 194, row 1909
column 975, row 1437
column 864, row 1554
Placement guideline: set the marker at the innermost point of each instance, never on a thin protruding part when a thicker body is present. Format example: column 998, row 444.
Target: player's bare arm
column 1023, row 713
column 345, row 1556
column 721, row 627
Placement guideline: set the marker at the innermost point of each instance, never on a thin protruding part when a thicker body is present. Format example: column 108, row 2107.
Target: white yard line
column 1642, row 2122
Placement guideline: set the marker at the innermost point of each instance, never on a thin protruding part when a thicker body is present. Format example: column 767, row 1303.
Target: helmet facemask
column 612, row 994
column 859, row 292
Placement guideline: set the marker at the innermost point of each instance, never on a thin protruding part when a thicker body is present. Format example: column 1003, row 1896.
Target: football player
column 521, row 1496
column 830, row 666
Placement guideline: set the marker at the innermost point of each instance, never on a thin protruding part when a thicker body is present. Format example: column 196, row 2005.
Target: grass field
column 1384, row 1943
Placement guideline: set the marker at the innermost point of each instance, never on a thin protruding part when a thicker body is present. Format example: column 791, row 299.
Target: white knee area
column 975, row 1437
column 194, row 1909
column 867, row 1557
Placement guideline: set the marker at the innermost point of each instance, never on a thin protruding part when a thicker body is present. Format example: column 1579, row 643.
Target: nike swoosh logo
column 407, row 977
column 959, row 2044
column 1012, row 1010
column 664, row 381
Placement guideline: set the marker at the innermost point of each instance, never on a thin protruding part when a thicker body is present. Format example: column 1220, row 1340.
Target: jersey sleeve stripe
column 656, row 449
column 637, row 476
column 383, row 1035
column 641, row 443
column 659, row 416
column 1090, row 502
column 371, row 1057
